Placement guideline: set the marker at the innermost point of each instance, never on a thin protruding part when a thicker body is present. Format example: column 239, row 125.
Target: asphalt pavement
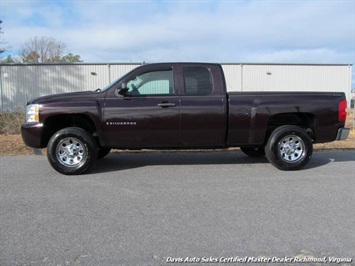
column 206, row 208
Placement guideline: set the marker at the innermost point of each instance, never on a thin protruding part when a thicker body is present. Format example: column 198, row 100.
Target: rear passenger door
column 202, row 107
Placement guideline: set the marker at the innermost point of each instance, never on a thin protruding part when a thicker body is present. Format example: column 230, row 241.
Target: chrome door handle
column 166, row 105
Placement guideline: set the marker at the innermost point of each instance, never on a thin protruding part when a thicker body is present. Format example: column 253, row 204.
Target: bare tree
column 2, row 41
column 42, row 50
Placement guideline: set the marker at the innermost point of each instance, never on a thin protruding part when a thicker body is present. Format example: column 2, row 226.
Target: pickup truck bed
column 253, row 114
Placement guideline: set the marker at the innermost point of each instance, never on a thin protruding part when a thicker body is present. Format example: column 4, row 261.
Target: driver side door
column 148, row 115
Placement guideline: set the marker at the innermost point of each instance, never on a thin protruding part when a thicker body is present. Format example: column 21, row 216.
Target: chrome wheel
column 71, row 152
column 291, row 148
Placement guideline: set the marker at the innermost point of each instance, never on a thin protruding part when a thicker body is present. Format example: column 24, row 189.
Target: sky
column 225, row 31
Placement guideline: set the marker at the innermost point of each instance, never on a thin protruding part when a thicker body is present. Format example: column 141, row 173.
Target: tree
column 2, row 41
column 8, row 60
column 70, row 58
column 31, row 57
column 46, row 50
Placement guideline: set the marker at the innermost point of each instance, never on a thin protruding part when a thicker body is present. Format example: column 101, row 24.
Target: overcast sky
column 298, row 31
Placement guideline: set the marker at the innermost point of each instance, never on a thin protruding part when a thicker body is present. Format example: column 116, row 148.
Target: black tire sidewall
column 273, row 155
column 84, row 137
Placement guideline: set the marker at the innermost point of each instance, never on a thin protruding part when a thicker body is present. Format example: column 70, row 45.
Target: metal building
column 21, row 82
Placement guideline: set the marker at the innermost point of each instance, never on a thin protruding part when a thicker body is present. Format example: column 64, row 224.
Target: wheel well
column 55, row 123
column 306, row 121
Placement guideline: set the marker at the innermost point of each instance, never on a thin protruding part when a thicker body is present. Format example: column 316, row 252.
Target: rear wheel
column 254, row 151
column 72, row 151
column 289, row 148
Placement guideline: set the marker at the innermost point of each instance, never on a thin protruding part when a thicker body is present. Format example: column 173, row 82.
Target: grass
column 10, row 123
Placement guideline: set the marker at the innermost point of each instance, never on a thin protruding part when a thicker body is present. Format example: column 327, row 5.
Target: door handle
column 166, row 105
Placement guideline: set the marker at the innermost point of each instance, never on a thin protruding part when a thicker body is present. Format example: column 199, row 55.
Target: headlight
column 32, row 113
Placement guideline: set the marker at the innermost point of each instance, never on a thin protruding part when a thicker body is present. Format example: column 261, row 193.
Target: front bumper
column 32, row 134
column 343, row 133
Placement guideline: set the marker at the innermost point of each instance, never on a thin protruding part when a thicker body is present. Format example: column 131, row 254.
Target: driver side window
column 152, row 83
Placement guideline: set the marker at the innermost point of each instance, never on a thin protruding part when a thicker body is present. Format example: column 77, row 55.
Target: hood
column 72, row 96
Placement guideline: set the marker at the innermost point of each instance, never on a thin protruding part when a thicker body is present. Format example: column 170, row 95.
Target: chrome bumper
column 343, row 133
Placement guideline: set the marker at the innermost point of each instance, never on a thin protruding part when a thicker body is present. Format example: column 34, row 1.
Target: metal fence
column 21, row 82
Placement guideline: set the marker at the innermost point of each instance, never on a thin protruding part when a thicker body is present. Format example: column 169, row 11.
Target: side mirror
column 123, row 90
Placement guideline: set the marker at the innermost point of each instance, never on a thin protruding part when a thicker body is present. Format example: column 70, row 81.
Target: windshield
column 110, row 84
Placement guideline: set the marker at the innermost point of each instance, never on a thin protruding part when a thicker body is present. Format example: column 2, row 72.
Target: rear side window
column 197, row 80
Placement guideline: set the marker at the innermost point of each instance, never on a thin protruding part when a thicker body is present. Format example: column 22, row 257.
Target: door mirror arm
column 123, row 90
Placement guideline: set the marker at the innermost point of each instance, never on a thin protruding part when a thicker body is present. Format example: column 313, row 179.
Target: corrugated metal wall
column 281, row 77
column 296, row 77
column 233, row 76
column 18, row 82
column 291, row 77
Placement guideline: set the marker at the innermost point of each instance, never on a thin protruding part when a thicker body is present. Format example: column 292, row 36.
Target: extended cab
column 178, row 106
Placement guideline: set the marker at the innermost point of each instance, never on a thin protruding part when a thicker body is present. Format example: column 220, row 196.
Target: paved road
column 152, row 208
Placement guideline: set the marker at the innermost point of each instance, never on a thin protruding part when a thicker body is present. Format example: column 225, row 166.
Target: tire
column 289, row 148
column 253, row 151
column 72, row 151
column 102, row 152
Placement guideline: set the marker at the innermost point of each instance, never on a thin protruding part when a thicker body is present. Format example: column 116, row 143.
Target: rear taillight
column 342, row 111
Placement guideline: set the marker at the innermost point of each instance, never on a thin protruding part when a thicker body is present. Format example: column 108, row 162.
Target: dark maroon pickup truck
column 179, row 106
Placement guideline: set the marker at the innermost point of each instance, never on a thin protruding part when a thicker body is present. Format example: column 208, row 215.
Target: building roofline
column 287, row 64
column 140, row 63
column 64, row 64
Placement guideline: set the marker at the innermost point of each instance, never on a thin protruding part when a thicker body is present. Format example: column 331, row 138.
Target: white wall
column 21, row 82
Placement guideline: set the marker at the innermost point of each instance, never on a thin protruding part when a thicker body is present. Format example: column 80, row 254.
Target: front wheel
column 72, row 151
column 289, row 148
